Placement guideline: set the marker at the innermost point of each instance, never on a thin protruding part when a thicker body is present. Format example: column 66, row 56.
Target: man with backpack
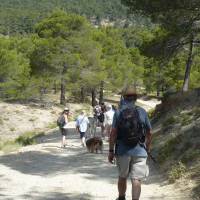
column 130, row 142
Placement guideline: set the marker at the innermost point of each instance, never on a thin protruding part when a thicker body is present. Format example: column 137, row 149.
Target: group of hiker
column 102, row 115
column 129, row 135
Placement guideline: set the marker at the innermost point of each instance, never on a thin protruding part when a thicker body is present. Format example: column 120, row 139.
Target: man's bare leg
column 122, row 182
column 136, row 189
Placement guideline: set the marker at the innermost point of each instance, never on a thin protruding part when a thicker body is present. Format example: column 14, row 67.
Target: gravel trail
column 47, row 172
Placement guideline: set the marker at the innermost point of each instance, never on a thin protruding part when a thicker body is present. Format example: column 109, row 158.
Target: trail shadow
column 71, row 162
column 58, row 196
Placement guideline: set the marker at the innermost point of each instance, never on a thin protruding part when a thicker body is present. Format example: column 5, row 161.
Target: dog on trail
column 94, row 144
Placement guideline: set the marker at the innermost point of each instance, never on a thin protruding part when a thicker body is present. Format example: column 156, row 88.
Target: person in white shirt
column 108, row 119
column 82, row 123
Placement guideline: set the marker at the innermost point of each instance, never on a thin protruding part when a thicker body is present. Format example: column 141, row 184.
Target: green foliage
column 14, row 71
column 26, row 139
column 186, row 119
column 20, row 17
column 52, row 126
column 61, row 24
column 175, row 35
column 177, row 171
column 170, row 121
column 191, row 155
column 196, row 112
column 169, row 148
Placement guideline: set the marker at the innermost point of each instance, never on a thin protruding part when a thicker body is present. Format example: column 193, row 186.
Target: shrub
column 169, row 148
column 186, row 119
column 196, row 112
column 52, row 125
column 151, row 113
column 191, row 155
column 171, row 120
column 177, row 171
column 26, row 139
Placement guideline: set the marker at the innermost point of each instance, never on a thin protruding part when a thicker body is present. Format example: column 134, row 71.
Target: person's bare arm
column 113, row 138
column 112, row 143
column 148, row 140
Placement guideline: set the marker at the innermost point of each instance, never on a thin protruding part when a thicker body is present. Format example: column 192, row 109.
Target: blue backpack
column 130, row 128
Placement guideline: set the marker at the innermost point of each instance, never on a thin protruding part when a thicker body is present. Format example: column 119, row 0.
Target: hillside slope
column 17, row 119
column 176, row 139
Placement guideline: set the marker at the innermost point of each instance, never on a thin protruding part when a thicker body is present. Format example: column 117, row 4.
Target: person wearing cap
column 64, row 129
column 108, row 119
column 131, row 161
column 82, row 123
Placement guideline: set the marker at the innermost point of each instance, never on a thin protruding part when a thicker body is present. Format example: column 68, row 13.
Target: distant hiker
column 131, row 132
column 82, row 123
column 97, row 112
column 62, row 123
column 114, row 108
column 102, row 118
column 108, row 120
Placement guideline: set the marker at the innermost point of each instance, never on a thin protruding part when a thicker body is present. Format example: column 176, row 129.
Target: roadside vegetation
column 177, row 141
column 25, row 139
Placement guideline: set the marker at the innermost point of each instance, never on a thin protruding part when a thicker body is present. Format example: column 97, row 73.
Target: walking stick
column 148, row 153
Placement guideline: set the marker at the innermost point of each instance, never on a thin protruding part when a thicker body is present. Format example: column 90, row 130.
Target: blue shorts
column 82, row 134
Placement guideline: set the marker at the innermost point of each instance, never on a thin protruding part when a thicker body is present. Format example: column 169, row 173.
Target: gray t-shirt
column 121, row 148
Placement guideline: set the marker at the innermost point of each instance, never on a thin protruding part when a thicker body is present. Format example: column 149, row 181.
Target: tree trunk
column 101, row 92
column 93, row 97
column 158, row 92
column 188, row 67
column 82, row 95
column 55, row 88
column 62, row 92
column 63, row 87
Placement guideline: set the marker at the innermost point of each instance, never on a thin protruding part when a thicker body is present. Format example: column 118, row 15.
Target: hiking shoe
column 122, row 198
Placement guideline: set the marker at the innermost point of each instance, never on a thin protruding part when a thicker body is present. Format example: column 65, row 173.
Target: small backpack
column 131, row 129
column 61, row 121
column 101, row 118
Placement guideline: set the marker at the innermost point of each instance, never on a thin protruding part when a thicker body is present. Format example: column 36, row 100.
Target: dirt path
column 47, row 172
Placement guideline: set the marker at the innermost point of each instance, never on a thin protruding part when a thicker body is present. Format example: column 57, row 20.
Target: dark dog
column 94, row 144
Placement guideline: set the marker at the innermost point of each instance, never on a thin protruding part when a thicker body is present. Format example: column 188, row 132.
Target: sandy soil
column 47, row 172
column 16, row 119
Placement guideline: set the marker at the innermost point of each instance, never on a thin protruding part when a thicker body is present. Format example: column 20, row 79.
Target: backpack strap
column 142, row 123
